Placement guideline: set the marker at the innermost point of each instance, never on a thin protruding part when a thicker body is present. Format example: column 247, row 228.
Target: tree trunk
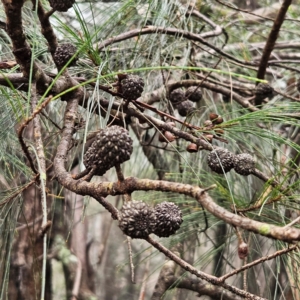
column 26, row 258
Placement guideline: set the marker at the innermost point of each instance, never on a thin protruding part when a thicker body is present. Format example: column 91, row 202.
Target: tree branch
column 47, row 29
column 209, row 278
column 21, row 49
column 168, row 280
column 258, row 261
column 169, row 31
column 270, row 43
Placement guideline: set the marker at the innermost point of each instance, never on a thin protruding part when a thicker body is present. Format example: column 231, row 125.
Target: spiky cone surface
column 112, row 146
column 220, row 160
column 185, row 108
column 63, row 54
column 243, row 164
column 177, row 96
column 61, row 5
column 137, row 219
column 193, row 93
column 263, row 90
column 168, row 219
column 132, row 87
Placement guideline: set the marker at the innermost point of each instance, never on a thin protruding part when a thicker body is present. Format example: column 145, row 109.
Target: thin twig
column 243, row 10
column 257, row 205
column 130, row 259
column 217, row 28
column 168, row 31
column 258, row 261
column 46, row 26
column 18, row 192
column 24, row 226
column 81, row 174
column 36, row 111
column 292, row 223
column 106, row 236
column 121, row 178
column 77, row 280
column 41, row 162
column 119, row 172
column 209, row 278
column 161, row 113
column 273, row 182
column 270, row 43
column 44, row 229
column 21, row 48
column 144, row 281
column 287, row 96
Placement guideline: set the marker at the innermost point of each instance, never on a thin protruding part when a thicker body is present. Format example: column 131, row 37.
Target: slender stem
column 41, row 162
column 271, row 42
column 292, row 223
column 77, row 280
column 169, row 31
column 130, row 259
column 36, row 111
column 119, row 173
column 209, row 278
column 44, row 222
column 258, row 261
